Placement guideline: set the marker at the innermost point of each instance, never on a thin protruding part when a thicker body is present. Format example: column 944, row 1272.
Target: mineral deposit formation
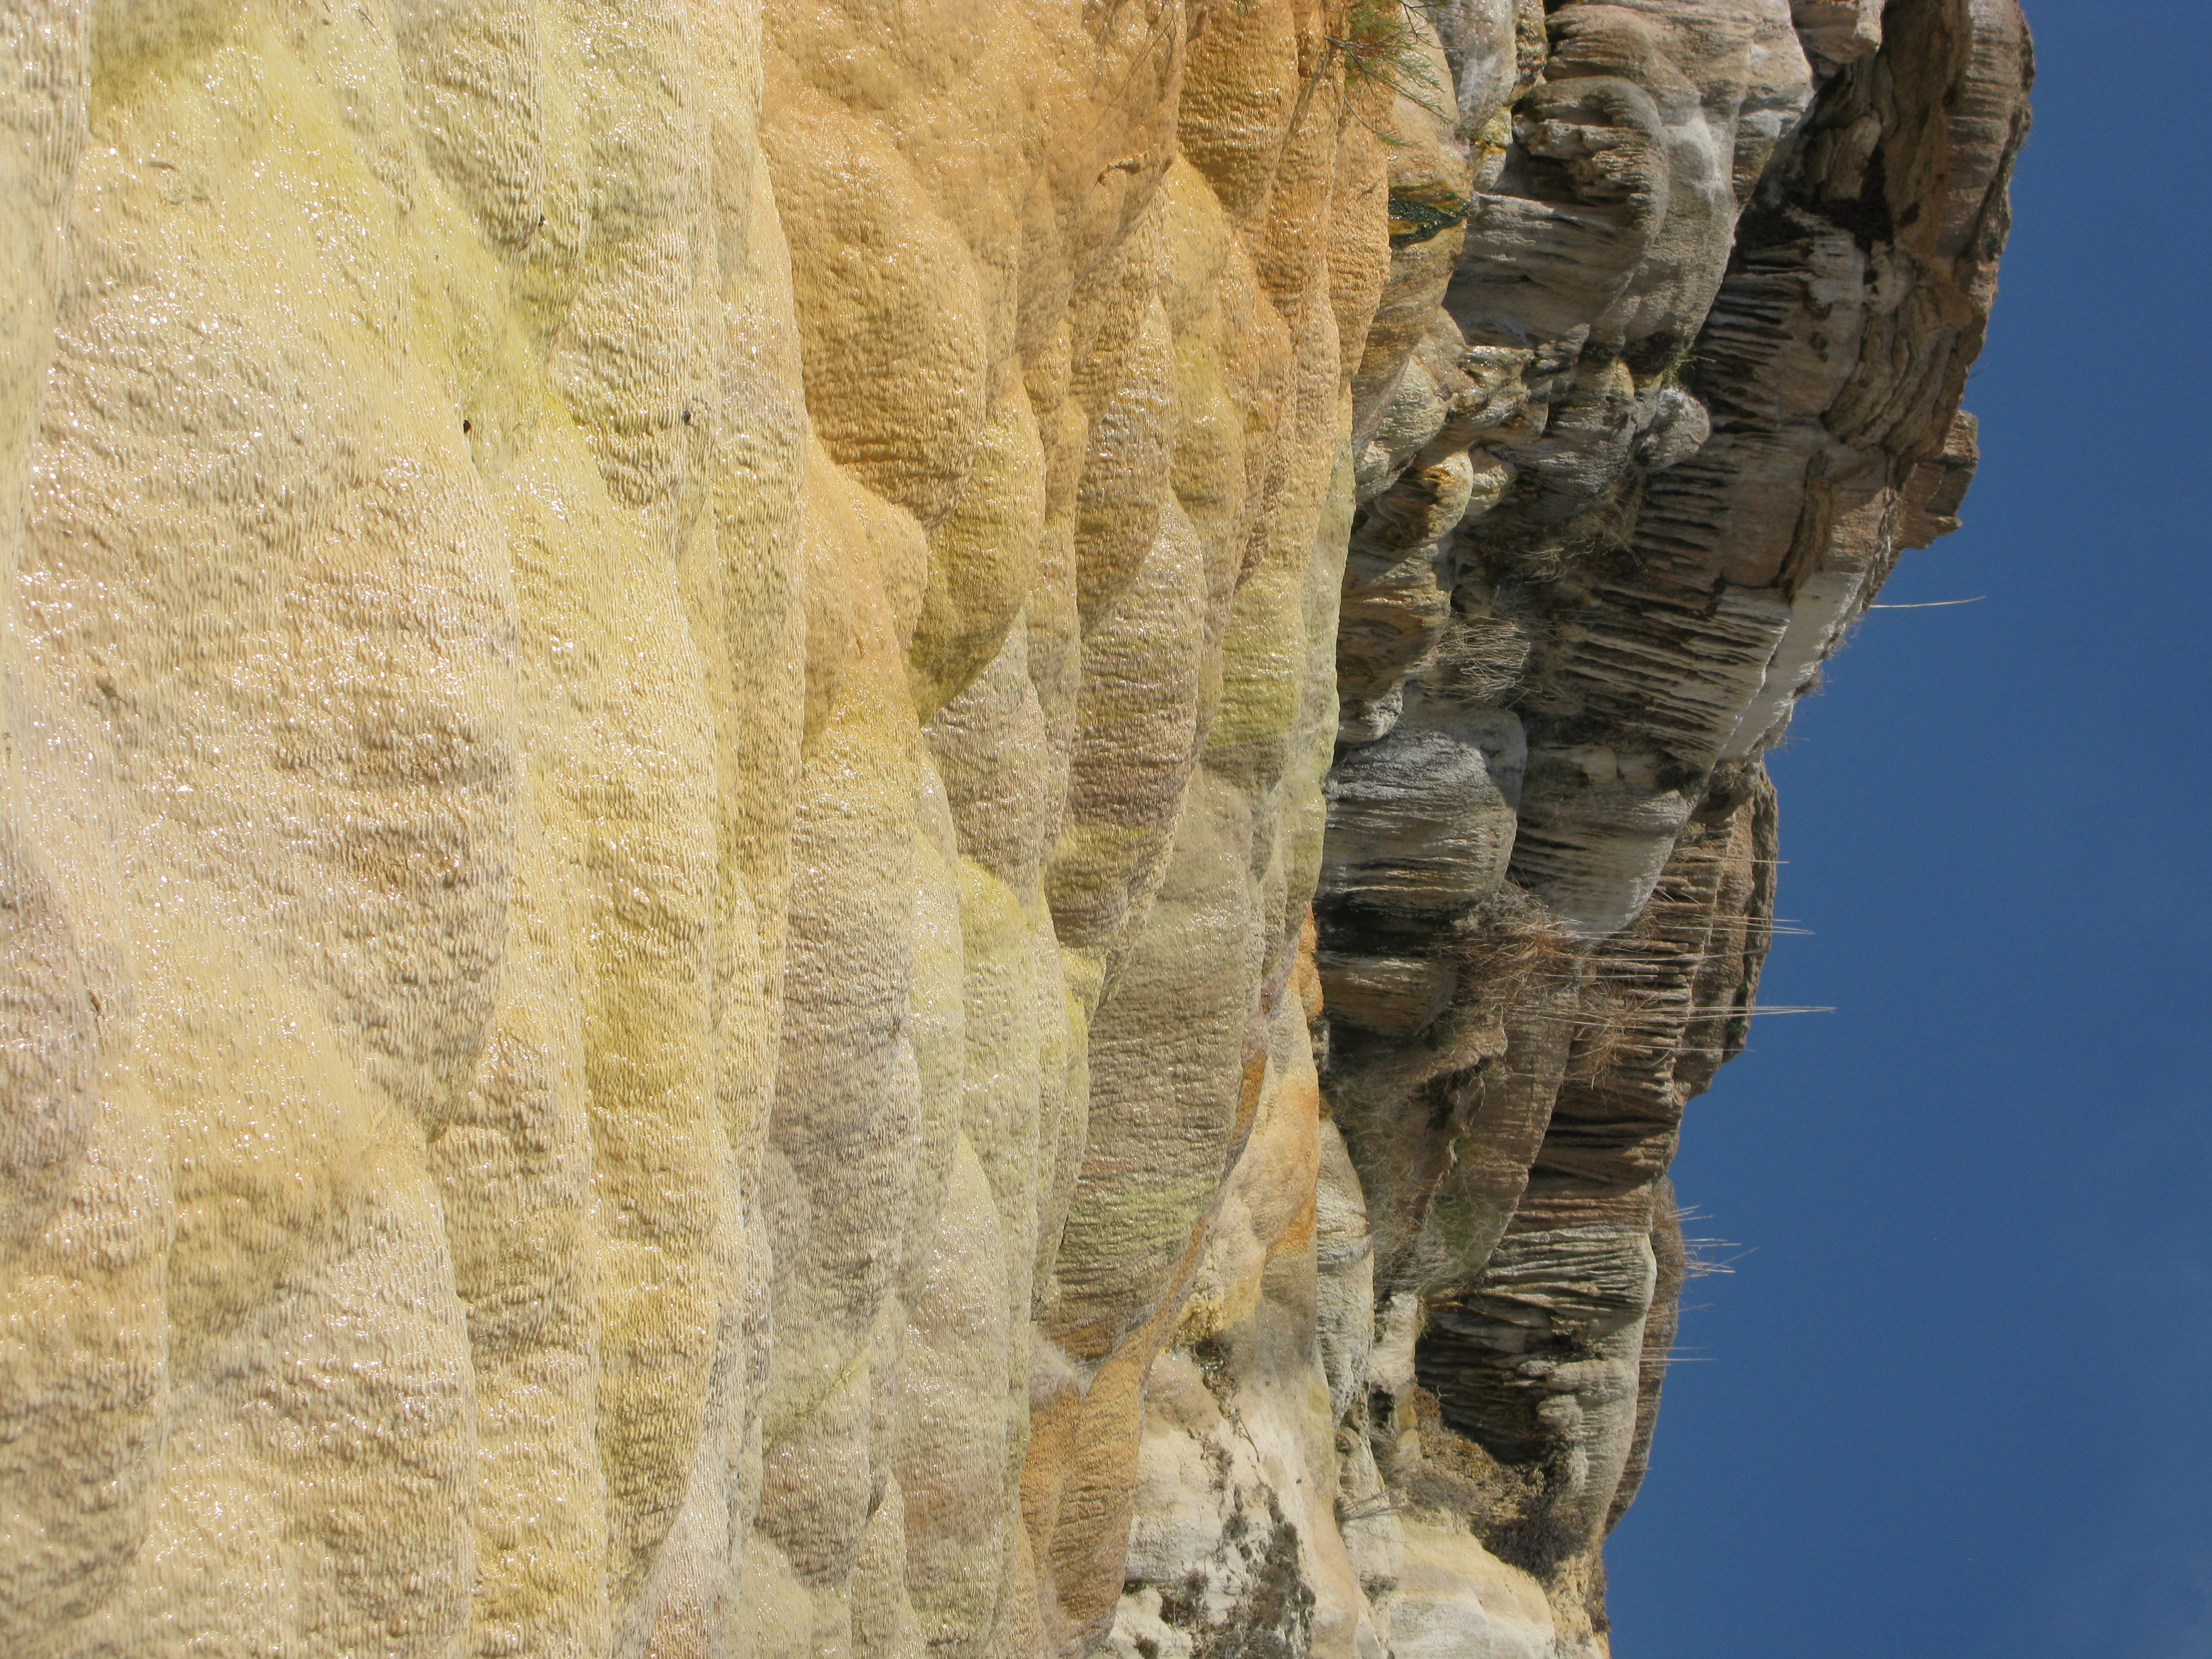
column 876, row 829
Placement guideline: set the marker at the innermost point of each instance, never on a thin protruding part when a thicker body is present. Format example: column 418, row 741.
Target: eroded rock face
column 840, row 830
column 1710, row 322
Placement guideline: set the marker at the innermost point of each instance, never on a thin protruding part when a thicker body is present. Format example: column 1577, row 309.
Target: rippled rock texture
column 835, row 829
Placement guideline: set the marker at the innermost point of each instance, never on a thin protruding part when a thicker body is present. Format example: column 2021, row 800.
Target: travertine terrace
column 864, row 830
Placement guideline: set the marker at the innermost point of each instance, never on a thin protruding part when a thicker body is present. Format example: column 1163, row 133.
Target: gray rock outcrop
column 1704, row 347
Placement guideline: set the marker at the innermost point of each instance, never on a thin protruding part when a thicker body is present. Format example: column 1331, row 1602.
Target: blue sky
column 1956, row 1400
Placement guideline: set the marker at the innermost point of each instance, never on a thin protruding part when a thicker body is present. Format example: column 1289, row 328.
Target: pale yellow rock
column 1455, row 1600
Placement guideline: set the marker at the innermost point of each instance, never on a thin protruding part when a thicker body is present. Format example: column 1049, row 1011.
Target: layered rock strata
column 840, row 829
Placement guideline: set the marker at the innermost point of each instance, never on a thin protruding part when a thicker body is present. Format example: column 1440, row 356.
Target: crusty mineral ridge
column 850, row 829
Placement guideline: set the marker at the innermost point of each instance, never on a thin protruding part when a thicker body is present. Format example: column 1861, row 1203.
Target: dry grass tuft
column 1477, row 663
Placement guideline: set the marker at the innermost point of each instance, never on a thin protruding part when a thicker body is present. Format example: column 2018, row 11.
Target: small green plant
column 1382, row 46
